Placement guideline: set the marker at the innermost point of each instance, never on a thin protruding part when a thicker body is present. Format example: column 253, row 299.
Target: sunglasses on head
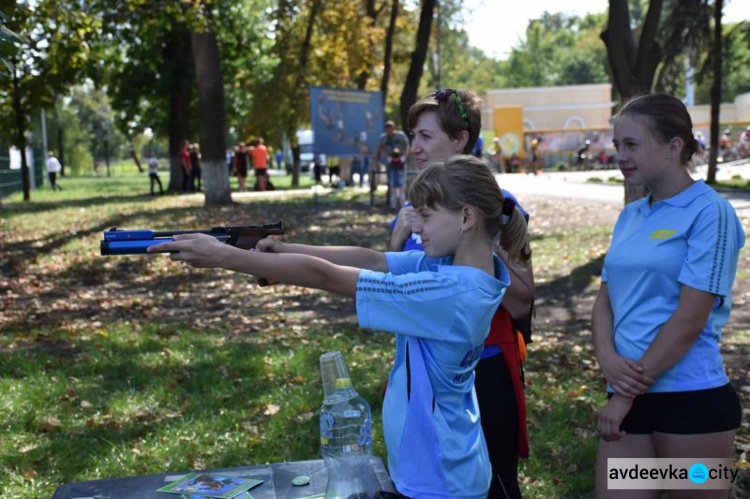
column 445, row 93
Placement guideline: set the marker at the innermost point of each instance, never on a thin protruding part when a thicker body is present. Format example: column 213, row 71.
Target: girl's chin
column 433, row 254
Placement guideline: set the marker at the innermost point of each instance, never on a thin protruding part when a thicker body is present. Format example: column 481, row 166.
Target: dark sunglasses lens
column 442, row 94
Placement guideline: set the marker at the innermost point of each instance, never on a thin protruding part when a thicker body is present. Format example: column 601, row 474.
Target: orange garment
column 260, row 156
column 506, row 337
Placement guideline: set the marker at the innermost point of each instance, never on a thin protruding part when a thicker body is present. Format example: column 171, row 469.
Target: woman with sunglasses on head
column 446, row 123
column 439, row 304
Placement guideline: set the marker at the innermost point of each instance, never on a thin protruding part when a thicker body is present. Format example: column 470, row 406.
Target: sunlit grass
column 133, row 365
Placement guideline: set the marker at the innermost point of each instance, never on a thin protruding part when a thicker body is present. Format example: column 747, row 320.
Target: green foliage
column 45, row 50
column 137, row 52
column 247, row 62
column 464, row 66
column 10, row 43
column 736, row 62
column 147, row 64
column 559, row 50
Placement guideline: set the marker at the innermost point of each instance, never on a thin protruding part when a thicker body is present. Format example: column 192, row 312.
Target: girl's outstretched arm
column 201, row 250
column 349, row 256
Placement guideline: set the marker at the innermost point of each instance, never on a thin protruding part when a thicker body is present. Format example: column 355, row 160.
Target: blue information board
column 346, row 122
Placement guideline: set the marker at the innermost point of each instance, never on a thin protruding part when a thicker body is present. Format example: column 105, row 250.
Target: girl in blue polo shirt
column 439, row 303
column 666, row 293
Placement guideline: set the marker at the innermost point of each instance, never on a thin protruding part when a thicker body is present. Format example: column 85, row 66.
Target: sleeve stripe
column 403, row 288
column 720, row 248
column 394, row 290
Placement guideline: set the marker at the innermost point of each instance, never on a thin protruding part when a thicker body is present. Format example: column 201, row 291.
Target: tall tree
column 371, row 18
column 633, row 66
column 212, row 118
column 282, row 102
column 149, row 72
column 387, row 58
column 716, row 57
column 418, row 57
column 56, row 56
column 93, row 111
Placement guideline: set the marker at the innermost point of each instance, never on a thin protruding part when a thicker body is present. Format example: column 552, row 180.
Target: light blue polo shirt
column 691, row 239
column 441, row 315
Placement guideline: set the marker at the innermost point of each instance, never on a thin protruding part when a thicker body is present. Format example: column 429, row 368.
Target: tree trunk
column 134, row 153
column 633, row 67
column 21, row 137
column 389, row 50
column 301, row 84
column 296, row 162
column 418, row 56
column 178, row 48
column 717, row 55
column 212, row 115
column 60, row 144
column 650, row 52
column 372, row 14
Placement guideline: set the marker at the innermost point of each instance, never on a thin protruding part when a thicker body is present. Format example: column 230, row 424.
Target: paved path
column 578, row 185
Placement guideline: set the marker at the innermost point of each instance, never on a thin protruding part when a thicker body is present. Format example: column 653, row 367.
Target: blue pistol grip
column 125, row 247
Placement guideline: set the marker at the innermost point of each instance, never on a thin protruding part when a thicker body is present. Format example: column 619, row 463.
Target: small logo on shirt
column 662, row 234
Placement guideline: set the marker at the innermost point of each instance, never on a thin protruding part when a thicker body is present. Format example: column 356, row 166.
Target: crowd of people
column 255, row 156
column 457, row 287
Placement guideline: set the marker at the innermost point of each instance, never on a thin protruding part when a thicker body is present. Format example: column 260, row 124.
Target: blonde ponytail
column 514, row 235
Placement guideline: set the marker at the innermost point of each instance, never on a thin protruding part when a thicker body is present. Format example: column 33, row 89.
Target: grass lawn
column 130, row 365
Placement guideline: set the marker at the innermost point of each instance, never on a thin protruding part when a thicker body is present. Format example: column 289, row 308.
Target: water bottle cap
column 343, row 383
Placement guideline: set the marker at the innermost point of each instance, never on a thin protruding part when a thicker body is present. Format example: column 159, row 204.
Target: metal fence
column 11, row 180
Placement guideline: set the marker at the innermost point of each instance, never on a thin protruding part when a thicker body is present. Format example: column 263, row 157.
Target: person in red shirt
column 260, row 164
column 186, row 165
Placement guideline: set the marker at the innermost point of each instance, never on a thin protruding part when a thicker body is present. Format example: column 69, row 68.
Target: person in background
column 240, row 166
column 195, row 168
column 396, row 177
column 318, row 169
column 186, row 165
column 334, row 170
column 444, row 124
column 496, row 158
column 582, row 156
column 279, row 160
column 53, row 168
column 153, row 171
column 438, row 303
column 260, row 164
column 479, row 147
column 744, row 142
column 535, row 161
column 357, row 167
column 388, row 140
column 665, row 295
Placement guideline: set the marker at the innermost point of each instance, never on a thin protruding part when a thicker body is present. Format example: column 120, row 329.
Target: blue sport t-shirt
column 691, row 239
column 441, row 316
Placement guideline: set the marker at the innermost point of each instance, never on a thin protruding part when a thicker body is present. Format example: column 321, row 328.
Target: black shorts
column 261, row 172
column 685, row 413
